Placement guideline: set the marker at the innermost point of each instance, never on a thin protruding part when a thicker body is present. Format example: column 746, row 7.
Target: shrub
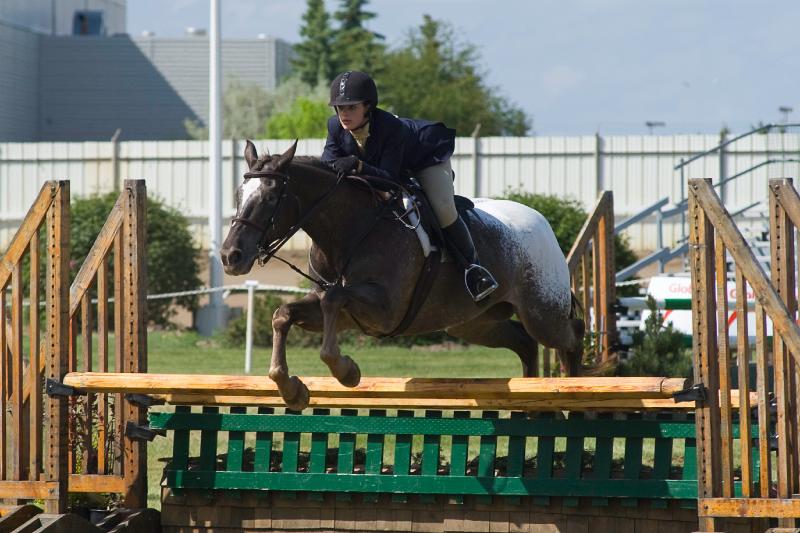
column 171, row 253
column 659, row 350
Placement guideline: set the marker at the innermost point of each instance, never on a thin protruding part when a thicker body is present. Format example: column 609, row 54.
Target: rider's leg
column 437, row 180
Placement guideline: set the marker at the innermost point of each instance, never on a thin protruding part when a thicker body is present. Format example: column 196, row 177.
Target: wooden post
column 605, row 250
column 135, row 331
column 782, row 258
column 57, row 342
column 701, row 249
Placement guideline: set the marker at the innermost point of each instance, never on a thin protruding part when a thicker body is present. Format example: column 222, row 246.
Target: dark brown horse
column 375, row 263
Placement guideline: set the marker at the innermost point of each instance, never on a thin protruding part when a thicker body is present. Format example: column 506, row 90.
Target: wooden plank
column 33, row 380
column 558, row 404
column 235, row 445
column 263, row 445
column 599, row 318
column 459, row 449
column 781, row 237
column 102, row 352
column 57, row 345
column 762, row 386
column 347, row 448
column 119, row 347
column 588, row 230
column 573, row 457
column 374, row 457
column 723, row 365
column 319, row 448
column 30, row 225
column 28, row 490
column 96, row 483
column 402, row 454
column 445, row 388
column 208, row 446
column 135, row 330
column 743, row 365
column 701, row 250
column 750, row 507
column 4, row 376
column 605, row 251
column 515, row 464
column 585, row 293
column 19, row 433
column 85, row 426
column 180, row 444
column 291, row 448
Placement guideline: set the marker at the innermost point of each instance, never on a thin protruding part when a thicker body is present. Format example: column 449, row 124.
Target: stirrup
column 484, row 274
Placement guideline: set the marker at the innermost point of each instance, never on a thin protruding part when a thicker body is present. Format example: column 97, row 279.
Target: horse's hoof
column 300, row 399
column 353, row 376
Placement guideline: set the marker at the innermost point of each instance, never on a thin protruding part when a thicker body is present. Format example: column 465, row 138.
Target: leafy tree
column 306, row 119
column 171, row 254
column 355, row 47
column 245, row 107
column 659, row 350
column 313, row 61
column 436, row 77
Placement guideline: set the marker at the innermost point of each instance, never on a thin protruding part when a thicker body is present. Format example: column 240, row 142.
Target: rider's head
column 353, row 95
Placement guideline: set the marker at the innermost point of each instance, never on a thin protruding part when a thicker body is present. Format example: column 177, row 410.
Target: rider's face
column 353, row 116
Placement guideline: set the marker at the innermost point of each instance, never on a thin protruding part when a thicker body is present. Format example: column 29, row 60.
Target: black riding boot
column 479, row 281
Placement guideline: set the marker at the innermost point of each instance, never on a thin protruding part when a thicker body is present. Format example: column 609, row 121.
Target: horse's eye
column 270, row 182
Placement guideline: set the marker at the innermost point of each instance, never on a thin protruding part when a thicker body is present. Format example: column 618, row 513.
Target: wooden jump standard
column 635, row 393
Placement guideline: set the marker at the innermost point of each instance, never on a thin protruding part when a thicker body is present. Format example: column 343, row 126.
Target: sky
column 578, row 67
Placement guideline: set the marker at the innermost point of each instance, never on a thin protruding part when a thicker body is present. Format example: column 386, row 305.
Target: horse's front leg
column 364, row 297
column 308, row 314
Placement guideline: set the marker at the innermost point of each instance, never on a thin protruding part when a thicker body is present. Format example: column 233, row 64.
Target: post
column 723, row 165
column 115, row 159
column 598, row 165
column 57, row 343
column 251, row 285
column 215, row 166
column 704, row 338
column 134, row 357
column 476, row 161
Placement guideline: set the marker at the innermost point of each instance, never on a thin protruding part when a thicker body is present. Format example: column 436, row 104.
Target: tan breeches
column 437, row 181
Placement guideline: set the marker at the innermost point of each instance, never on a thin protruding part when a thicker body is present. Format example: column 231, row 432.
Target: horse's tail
column 576, row 309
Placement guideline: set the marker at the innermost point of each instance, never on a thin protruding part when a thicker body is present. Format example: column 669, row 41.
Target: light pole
column 215, row 167
column 785, row 110
column 654, row 124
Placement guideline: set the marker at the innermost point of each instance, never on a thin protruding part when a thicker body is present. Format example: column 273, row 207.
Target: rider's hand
column 346, row 165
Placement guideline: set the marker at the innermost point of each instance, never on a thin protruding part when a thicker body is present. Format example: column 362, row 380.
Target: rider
column 364, row 139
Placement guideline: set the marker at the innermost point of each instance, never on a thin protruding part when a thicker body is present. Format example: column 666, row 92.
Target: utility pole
column 215, row 167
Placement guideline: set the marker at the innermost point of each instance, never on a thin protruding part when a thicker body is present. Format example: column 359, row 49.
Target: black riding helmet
column 352, row 87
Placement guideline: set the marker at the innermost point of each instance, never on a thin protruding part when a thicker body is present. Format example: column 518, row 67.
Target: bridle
column 267, row 251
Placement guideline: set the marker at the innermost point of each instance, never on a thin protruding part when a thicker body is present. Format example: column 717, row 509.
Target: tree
column 306, row 119
column 245, row 107
column 355, row 47
column 434, row 76
column 313, row 61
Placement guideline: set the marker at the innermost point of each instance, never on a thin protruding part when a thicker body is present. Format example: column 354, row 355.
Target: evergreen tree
column 313, row 60
column 434, row 76
column 355, row 47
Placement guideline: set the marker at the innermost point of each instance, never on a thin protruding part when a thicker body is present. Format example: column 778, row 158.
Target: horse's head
column 259, row 203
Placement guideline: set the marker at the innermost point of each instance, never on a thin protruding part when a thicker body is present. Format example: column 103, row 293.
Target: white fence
column 639, row 169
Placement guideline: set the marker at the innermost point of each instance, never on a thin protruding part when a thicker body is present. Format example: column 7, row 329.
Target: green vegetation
column 171, row 253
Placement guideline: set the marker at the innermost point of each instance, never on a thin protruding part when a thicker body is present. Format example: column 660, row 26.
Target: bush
column 659, row 350
column 171, row 253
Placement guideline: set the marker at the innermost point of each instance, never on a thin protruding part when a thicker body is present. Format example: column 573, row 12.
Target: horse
column 375, row 261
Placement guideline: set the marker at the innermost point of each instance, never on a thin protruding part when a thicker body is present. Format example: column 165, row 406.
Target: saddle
column 423, row 221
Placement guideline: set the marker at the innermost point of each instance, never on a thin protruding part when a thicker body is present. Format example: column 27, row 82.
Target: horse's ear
column 250, row 154
column 289, row 154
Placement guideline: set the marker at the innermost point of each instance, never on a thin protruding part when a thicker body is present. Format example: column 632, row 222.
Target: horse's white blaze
column 530, row 233
column 249, row 188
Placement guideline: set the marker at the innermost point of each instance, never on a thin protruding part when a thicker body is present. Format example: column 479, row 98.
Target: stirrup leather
column 484, row 274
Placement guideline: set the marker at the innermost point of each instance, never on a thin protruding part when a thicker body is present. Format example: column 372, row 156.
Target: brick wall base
column 257, row 511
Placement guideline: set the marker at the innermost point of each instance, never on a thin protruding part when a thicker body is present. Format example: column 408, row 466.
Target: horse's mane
column 312, row 161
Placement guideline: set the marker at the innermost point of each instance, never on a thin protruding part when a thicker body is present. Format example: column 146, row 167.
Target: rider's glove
column 346, row 165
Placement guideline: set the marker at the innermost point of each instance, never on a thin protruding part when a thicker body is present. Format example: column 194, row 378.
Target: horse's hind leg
column 564, row 334
column 308, row 314
column 502, row 334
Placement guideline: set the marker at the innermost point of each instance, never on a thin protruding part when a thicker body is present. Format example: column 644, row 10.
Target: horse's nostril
column 231, row 257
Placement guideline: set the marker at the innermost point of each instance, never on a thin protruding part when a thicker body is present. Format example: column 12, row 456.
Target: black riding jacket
column 394, row 146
